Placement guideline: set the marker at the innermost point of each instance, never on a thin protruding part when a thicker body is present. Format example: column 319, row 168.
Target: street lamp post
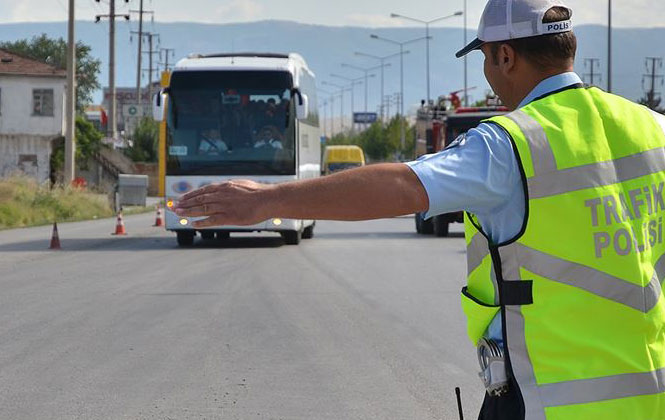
column 366, row 71
column 331, row 102
column 332, row 114
column 401, row 77
column 341, row 107
column 427, row 23
column 353, row 82
column 383, row 65
column 323, row 104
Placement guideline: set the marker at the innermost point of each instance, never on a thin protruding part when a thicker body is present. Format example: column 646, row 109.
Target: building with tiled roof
column 11, row 63
column 31, row 114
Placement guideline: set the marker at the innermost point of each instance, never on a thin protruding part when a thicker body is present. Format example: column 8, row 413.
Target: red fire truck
column 437, row 127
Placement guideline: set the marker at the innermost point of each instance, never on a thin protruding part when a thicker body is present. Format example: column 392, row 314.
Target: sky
column 375, row 13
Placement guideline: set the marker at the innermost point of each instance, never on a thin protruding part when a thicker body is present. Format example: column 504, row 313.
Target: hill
column 325, row 47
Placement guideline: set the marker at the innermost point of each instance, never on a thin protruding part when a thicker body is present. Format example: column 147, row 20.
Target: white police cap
column 504, row 20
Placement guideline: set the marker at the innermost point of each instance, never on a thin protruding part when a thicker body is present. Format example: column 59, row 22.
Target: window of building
column 42, row 102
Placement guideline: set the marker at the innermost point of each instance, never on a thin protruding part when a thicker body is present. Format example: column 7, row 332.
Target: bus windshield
column 230, row 123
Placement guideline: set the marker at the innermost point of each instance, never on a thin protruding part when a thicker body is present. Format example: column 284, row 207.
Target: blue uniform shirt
column 479, row 173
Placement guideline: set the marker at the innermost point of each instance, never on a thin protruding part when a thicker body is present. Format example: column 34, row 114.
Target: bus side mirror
column 158, row 105
column 302, row 106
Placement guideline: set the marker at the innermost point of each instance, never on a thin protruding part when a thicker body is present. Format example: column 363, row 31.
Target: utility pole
column 112, row 129
column 140, row 12
column 592, row 63
column 386, row 101
column 398, row 101
column 609, row 46
column 166, row 52
column 653, row 97
column 70, row 140
column 151, row 52
column 382, row 87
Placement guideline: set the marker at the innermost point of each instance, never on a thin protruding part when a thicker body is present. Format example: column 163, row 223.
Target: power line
column 62, row 5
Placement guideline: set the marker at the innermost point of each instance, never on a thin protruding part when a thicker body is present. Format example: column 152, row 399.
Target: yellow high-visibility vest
column 579, row 290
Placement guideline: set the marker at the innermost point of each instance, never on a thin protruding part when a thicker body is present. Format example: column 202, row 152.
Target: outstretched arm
column 370, row 192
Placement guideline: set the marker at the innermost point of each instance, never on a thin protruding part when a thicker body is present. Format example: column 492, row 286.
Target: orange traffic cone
column 120, row 225
column 55, row 239
column 158, row 220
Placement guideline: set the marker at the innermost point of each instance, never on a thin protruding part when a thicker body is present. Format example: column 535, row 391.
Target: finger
column 199, row 211
column 197, row 201
column 200, row 191
column 216, row 220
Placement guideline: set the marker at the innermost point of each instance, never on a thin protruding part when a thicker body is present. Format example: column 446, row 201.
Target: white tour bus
column 230, row 116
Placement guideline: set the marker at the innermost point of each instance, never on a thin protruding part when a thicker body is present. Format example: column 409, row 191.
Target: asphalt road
column 361, row 322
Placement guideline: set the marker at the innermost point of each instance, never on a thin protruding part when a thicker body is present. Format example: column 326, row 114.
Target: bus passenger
column 269, row 137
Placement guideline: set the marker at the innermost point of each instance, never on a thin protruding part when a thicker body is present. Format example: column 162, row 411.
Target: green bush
column 145, row 141
column 23, row 202
column 88, row 141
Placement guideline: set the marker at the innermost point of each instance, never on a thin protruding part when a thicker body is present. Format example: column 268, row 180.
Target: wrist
column 272, row 201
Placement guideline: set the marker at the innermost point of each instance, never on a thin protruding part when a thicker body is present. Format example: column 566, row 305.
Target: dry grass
column 23, row 202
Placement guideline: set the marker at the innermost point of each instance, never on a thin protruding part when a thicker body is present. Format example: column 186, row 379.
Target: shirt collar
column 551, row 84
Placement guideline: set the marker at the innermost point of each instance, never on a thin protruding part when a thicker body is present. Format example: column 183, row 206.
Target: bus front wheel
column 292, row 237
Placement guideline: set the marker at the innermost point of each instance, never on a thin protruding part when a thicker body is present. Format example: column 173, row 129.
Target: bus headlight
column 277, row 222
column 184, row 222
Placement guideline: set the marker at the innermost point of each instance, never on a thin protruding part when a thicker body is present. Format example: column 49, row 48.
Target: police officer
column 564, row 226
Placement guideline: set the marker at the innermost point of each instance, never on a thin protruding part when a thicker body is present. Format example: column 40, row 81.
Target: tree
column 373, row 142
column 380, row 141
column 88, row 142
column 145, row 141
column 54, row 52
column 652, row 101
column 343, row 139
